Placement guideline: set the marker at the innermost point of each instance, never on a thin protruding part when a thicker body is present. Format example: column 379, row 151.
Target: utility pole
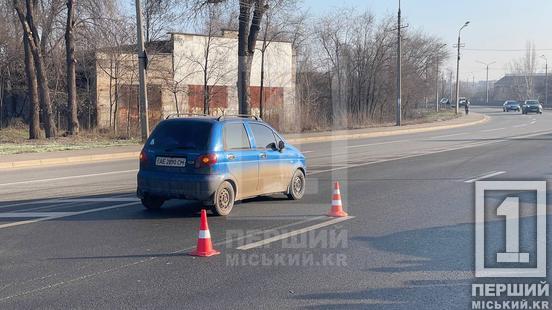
column 399, row 94
column 142, row 59
column 545, row 80
column 458, row 68
column 487, row 83
column 437, row 78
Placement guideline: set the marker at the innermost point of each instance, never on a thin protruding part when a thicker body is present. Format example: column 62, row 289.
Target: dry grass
column 15, row 140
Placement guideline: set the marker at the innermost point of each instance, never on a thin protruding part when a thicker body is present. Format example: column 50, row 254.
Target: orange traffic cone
column 337, row 206
column 204, row 245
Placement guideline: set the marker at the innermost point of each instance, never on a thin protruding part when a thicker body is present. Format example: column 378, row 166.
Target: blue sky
column 495, row 24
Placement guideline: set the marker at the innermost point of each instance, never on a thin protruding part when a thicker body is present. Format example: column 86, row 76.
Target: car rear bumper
column 177, row 186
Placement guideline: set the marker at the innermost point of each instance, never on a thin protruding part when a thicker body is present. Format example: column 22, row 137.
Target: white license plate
column 170, row 161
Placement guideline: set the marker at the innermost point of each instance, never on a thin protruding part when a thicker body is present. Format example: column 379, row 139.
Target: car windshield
column 532, row 102
column 185, row 134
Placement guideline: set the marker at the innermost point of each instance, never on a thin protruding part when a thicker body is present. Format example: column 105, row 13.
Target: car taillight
column 143, row 156
column 206, row 160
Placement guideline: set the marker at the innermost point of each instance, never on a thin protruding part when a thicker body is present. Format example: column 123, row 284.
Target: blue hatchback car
column 217, row 160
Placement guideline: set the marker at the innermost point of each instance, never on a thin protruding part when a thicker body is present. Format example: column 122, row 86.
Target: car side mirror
column 281, row 145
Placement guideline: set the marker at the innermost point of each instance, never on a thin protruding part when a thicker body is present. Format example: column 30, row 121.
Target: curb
column 377, row 134
column 67, row 160
column 130, row 155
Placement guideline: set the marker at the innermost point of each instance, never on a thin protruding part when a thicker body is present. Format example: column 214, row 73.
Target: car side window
column 264, row 137
column 235, row 137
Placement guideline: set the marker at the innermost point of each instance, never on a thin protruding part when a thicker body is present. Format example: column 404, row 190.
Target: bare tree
column 160, row 16
column 32, row 89
column 283, row 21
column 26, row 14
column 72, row 119
column 523, row 71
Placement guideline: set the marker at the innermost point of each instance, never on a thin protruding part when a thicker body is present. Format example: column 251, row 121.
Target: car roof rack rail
column 175, row 115
column 239, row 115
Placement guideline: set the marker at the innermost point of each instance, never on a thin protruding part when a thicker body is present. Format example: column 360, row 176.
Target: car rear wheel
column 296, row 188
column 152, row 203
column 223, row 199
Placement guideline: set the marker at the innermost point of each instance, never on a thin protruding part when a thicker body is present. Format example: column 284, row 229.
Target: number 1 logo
column 509, row 210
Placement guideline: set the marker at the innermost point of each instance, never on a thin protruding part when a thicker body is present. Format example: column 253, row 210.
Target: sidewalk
column 46, row 159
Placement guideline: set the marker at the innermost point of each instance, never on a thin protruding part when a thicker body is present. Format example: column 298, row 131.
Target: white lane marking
column 306, row 152
column 52, row 201
column 376, row 143
column 293, row 233
column 495, row 129
column 430, row 152
column 417, row 154
column 451, row 135
column 522, row 125
column 484, row 176
column 62, row 215
column 69, row 200
column 533, row 122
column 69, row 177
column 33, row 214
column 145, row 260
column 122, row 199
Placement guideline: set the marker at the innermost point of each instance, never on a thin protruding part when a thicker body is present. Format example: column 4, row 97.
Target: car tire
column 296, row 188
column 152, row 203
column 223, row 200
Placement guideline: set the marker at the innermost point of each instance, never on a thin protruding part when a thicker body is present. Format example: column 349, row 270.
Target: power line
column 504, row 50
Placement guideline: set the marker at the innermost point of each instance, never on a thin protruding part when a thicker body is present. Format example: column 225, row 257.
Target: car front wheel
column 224, row 199
column 297, row 186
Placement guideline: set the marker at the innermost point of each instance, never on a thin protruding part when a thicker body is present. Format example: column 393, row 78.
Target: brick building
column 177, row 73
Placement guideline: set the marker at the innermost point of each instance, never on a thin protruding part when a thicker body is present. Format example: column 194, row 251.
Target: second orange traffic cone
column 204, row 245
column 337, row 206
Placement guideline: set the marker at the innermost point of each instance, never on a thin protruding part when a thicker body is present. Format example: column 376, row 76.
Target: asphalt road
column 75, row 236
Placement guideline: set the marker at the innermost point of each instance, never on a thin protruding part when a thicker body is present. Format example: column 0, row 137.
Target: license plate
column 170, row 161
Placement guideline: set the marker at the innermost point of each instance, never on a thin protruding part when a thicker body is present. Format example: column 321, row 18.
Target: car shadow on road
column 131, row 207
column 434, row 269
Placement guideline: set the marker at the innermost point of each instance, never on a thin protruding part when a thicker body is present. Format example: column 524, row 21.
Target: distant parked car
column 445, row 101
column 531, row 106
column 511, row 105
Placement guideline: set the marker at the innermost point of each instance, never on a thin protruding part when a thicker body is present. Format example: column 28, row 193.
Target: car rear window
column 186, row 135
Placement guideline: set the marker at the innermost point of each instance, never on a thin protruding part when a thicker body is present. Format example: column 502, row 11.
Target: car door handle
column 231, row 156
column 262, row 155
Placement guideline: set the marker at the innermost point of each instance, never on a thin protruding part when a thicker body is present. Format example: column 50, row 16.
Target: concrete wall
column 189, row 57
column 117, row 72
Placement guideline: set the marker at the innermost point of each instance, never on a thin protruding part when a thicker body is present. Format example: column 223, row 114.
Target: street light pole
column 545, row 80
column 399, row 94
column 142, row 59
column 458, row 67
column 437, row 78
column 487, row 83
